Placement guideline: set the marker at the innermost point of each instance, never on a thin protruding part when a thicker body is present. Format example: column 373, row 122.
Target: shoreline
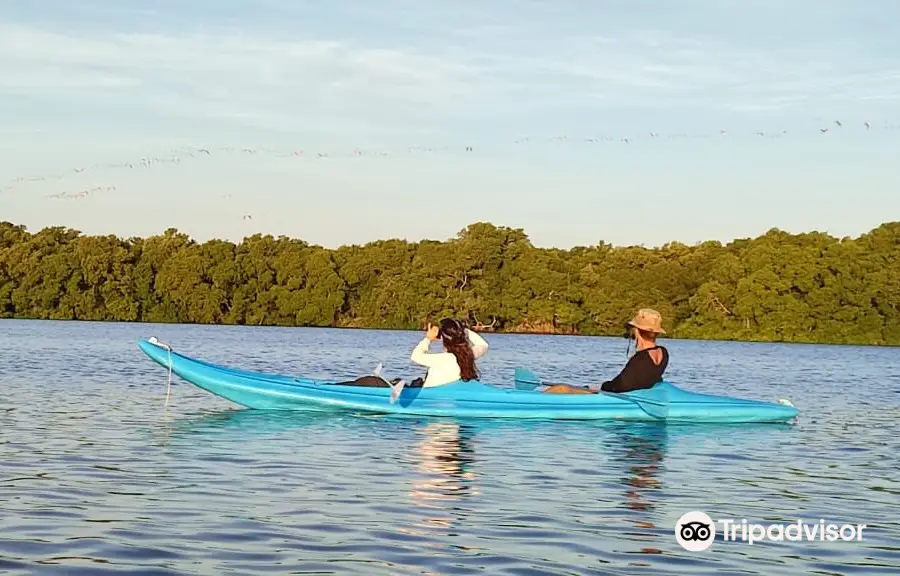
column 807, row 288
column 669, row 336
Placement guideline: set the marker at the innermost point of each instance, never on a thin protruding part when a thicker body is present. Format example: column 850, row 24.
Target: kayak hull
column 263, row 391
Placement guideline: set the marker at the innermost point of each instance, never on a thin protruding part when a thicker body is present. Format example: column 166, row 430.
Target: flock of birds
column 178, row 155
column 82, row 193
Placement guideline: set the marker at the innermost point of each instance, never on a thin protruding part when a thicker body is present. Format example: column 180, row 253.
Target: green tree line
column 807, row 287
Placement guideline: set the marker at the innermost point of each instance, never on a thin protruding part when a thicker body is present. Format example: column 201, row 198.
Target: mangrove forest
column 808, row 287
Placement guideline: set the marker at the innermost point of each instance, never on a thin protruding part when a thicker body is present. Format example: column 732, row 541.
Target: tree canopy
column 808, row 287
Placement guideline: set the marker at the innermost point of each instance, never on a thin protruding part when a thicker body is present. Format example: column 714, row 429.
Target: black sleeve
column 639, row 372
column 623, row 380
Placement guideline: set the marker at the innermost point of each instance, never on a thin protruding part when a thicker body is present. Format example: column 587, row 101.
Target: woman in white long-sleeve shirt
column 462, row 347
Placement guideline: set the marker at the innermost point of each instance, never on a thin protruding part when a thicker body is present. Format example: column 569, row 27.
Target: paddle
column 525, row 379
column 396, row 389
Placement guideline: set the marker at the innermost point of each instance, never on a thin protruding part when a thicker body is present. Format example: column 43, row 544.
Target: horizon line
column 599, row 243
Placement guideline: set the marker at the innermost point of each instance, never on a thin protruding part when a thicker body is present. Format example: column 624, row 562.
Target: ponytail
column 453, row 333
column 465, row 359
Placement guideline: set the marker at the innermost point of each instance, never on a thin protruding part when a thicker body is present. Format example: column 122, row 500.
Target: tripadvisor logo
column 696, row 531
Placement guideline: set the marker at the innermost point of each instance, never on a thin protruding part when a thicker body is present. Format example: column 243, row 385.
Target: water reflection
column 445, row 452
column 443, row 456
column 641, row 450
column 247, row 422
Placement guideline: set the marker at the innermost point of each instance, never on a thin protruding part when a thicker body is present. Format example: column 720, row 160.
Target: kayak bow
column 259, row 390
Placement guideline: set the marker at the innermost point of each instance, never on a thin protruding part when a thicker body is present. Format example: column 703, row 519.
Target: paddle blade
column 396, row 389
column 526, row 379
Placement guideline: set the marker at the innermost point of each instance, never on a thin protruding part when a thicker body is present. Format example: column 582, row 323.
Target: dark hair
column 453, row 334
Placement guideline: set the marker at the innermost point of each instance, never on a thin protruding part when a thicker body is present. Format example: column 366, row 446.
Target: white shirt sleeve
column 421, row 356
column 479, row 344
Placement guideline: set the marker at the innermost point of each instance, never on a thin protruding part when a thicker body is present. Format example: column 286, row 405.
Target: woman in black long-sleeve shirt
column 644, row 369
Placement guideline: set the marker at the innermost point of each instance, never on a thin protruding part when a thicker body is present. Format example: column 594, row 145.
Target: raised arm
column 479, row 344
column 420, row 354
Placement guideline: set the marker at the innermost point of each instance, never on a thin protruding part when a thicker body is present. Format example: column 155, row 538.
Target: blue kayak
column 260, row 390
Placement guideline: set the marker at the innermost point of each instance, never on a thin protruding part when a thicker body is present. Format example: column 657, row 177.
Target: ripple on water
column 96, row 476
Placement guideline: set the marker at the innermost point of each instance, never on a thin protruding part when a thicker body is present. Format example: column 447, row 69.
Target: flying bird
column 175, row 155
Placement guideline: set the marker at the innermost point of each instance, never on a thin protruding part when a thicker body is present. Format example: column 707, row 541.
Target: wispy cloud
column 667, row 70
column 416, row 65
column 228, row 75
column 95, row 82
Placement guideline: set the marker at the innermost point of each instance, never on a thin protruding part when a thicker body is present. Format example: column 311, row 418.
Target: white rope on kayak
column 168, row 348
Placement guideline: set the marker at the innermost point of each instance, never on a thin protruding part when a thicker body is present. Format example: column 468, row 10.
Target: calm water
column 97, row 476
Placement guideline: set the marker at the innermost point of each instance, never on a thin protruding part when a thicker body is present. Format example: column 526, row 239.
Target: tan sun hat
column 648, row 320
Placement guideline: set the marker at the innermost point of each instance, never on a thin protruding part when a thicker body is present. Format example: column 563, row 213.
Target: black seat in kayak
column 379, row 382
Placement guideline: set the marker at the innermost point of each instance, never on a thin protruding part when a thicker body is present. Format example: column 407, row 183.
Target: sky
column 630, row 121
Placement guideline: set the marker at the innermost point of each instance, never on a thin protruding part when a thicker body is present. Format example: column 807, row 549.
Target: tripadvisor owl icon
column 695, row 531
